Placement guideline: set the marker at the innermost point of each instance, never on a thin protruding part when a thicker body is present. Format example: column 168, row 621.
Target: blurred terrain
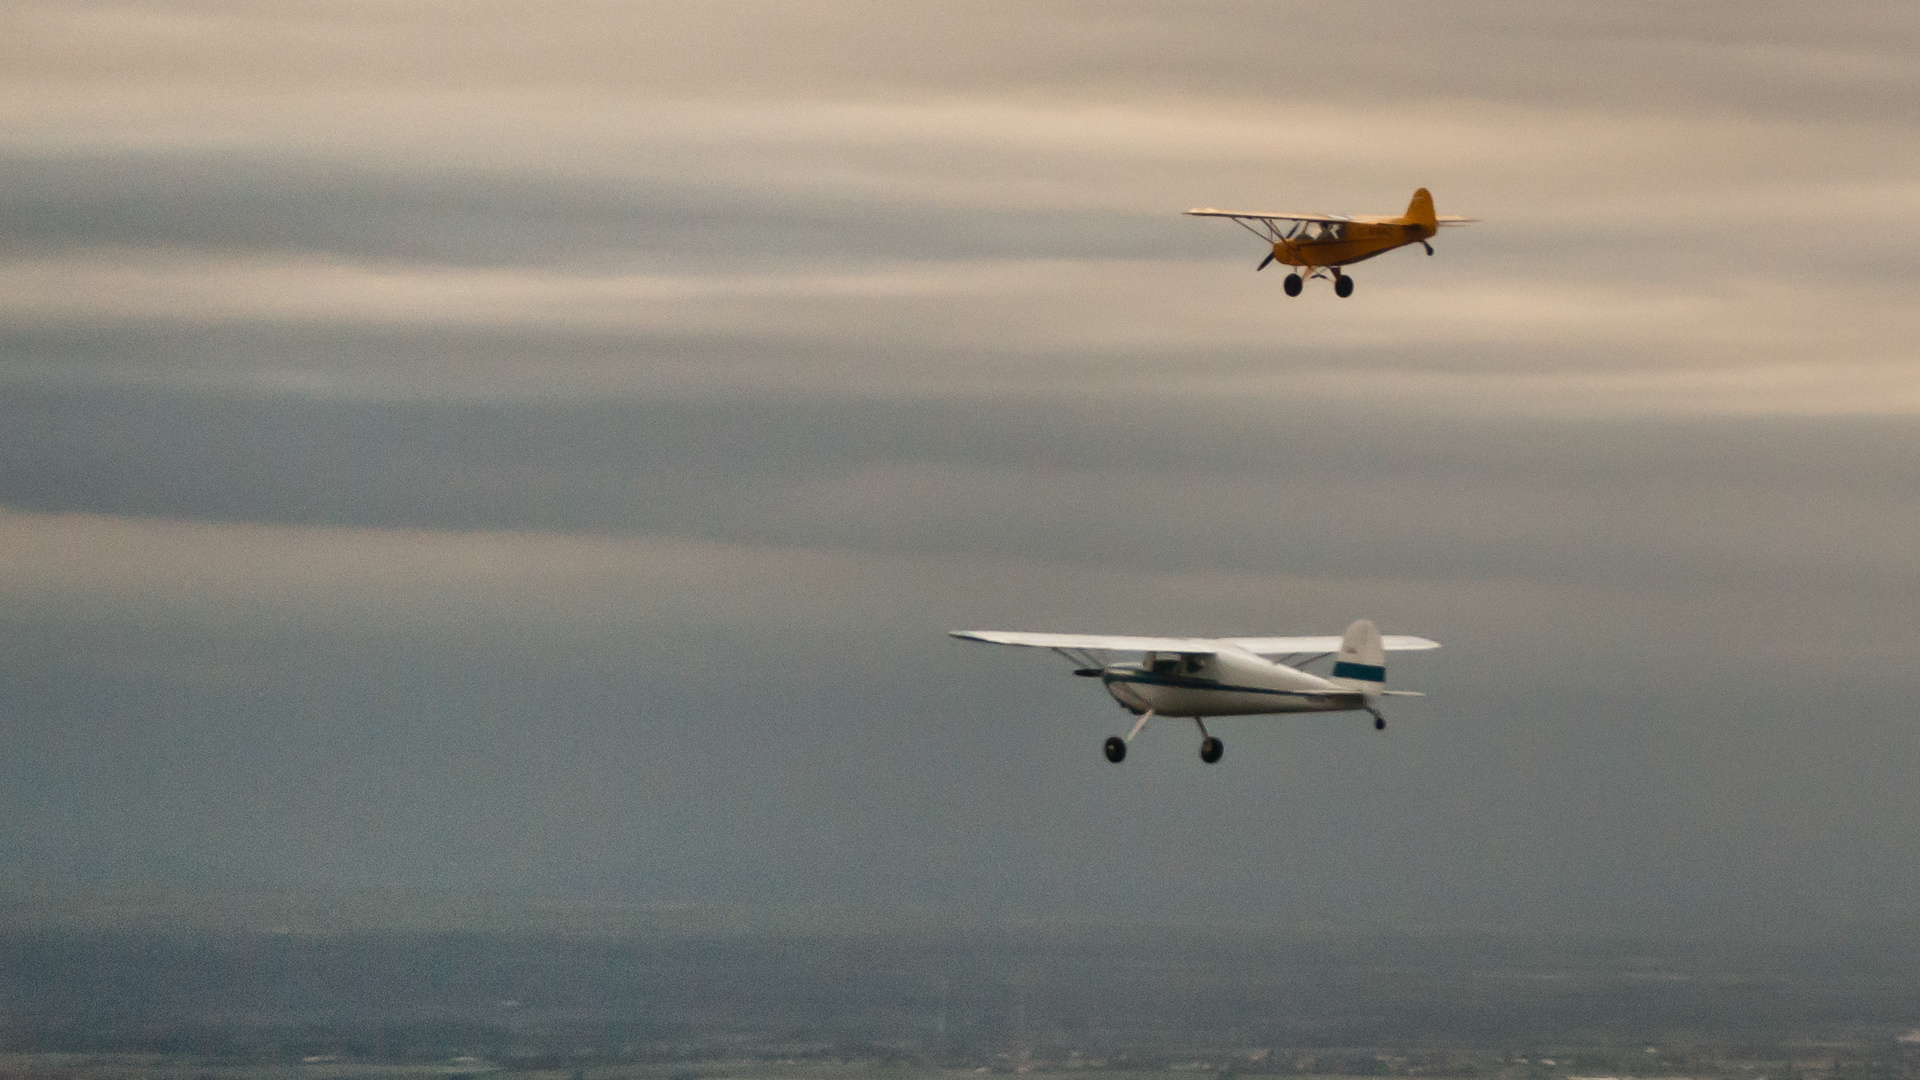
column 163, row 985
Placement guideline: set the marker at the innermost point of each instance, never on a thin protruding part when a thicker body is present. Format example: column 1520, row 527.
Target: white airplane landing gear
column 1210, row 747
column 1117, row 746
column 1379, row 722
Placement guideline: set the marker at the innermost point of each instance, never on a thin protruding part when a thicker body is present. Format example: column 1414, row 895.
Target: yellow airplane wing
column 1358, row 219
column 1208, row 211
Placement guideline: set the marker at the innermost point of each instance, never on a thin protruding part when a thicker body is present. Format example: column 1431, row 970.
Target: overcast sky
column 538, row 449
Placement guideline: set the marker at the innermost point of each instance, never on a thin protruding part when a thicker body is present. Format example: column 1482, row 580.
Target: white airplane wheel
column 1211, row 749
column 1116, row 749
column 1379, row 723
column 1293, row 284
column 1343, row 286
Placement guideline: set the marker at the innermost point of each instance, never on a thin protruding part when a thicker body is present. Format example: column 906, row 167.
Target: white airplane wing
column 1265, row 646
column 1293, row 646
column 1111, row 642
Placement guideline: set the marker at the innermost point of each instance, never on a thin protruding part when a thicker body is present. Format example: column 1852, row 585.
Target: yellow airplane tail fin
column 1420, row 210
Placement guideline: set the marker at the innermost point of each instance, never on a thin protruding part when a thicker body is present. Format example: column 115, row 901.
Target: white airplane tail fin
column 1362, row 661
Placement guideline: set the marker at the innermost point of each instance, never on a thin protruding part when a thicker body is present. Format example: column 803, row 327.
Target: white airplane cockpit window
column 1163, row 665
column 1191, row 665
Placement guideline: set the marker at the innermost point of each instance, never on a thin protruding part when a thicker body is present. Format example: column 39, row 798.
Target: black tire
column 1211, row 749
column 1379, row 723
column 1116, row 749
column 1293, row 284
column 1343, row 286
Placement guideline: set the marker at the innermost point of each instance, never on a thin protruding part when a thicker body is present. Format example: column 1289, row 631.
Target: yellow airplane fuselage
column 1353, row 242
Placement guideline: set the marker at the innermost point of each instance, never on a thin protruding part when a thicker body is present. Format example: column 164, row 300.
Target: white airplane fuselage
column 1225, row 684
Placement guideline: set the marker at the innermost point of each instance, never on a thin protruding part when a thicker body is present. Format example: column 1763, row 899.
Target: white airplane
column 1202, row 677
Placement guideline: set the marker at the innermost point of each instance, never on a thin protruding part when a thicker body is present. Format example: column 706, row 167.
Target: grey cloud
column 1824, row 63
column 631, row 759
column 643, row 598
column 250, row 203
column 1692, row 505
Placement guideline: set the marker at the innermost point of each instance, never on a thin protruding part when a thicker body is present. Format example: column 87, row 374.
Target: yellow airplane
column 1318, row 243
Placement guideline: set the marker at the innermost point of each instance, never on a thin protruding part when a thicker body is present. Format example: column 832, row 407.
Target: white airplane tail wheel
column 1116, row 749
column 1211, row 749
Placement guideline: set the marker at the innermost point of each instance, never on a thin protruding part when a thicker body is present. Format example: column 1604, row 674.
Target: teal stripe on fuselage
column 1364, row 672
column 1181, row 683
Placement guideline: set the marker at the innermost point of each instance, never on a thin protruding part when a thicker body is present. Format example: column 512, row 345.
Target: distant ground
column 161, row 1067
column 117, row 989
